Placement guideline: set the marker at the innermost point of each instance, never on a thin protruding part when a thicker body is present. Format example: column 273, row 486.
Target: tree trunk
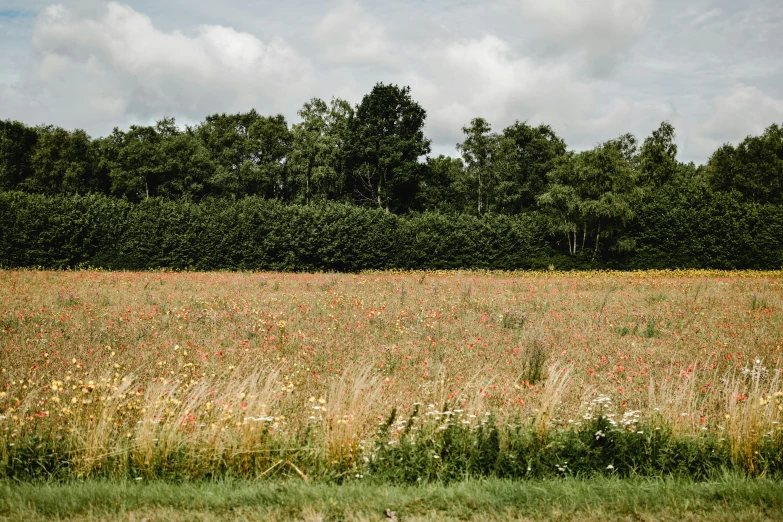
column 307, row 180
column 584, row 236
column 479, row 193
column 597, row 235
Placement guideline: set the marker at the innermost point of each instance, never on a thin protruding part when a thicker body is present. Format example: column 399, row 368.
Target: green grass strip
column 727, row 498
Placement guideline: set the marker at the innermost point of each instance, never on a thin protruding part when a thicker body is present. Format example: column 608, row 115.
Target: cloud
column 349, row 34
column 744, row 111
column 454, row 79
column 106, row 63
column 600, row 29
column 458, row 81
column 592, row 69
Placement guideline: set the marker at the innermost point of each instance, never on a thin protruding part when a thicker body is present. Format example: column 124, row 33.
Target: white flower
column 609, row 467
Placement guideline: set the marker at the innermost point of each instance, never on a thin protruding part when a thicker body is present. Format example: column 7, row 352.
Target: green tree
column 160, row 160
column 387, row 140
column 534, row 152
column 504, row 187
column 63, row 162
column 134, row 162
column 317, row 162
column 188, row 166
column 249, row 151
column 658, row 157
column 17, row 142
column 270, row 145
column 227, row 140
column 589, row 196
column 476, row 152
column 628, row 147
column 754, row 168
column 438, row 186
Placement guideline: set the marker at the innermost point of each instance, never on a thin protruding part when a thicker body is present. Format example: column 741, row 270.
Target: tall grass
column 203, row 375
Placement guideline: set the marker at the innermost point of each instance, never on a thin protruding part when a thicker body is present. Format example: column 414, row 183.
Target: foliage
column 678, row 227
column 673, row 229
column 386, row 142
column 437, row 448
column 318, row 151
column 754, row 168
column 17, row 142
column 623, row 203
column 589, row 195
column 476, row 151
column 658, row 157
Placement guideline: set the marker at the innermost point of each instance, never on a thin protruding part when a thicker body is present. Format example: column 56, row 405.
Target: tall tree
column 317, row 162
column 250, row 153
column 63, row 162
column 438, row 186
column 270, row 145
column 658, row 157
column 386, row 144
column 628, row 147
column 754, row 168
column 227, row 140
column 476, row 151
column 535, row 150
column 589, row 196
column 17, row 142
column 160, row 160
column 134, row 162
column 188, row 166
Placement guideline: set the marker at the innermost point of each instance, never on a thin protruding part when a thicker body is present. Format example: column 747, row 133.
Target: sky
column 591, row 69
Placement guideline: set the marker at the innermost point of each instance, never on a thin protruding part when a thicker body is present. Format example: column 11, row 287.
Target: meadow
column 399, row 377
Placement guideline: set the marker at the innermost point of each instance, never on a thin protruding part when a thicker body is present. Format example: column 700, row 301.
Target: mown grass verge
column 728, row 497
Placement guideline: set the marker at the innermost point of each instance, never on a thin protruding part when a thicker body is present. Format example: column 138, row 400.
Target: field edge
column 730, row 497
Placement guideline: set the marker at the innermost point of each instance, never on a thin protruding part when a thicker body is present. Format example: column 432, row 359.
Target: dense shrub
column 427, row 450
column 454, row 451
column 691, row 229
column 696, row 228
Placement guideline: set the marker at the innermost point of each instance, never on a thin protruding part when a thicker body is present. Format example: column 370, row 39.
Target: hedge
column 670, row 231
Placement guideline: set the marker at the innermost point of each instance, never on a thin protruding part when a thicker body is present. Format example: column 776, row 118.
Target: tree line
column 376, row 155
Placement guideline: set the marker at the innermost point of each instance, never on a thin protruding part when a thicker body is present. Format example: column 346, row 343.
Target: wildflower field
column 405, row 377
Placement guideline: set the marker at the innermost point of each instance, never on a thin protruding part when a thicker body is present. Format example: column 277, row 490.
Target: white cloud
column 458, row 81
column 711, row 66
column 601, row 29
column 741, row 112
column 455, row 79
column 97, row 63
column 731, row 117
column 349, row 34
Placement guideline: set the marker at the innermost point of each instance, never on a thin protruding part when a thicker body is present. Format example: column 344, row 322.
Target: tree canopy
column 376, row 154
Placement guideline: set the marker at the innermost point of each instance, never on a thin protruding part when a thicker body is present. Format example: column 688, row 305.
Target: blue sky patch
column 16, row 13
